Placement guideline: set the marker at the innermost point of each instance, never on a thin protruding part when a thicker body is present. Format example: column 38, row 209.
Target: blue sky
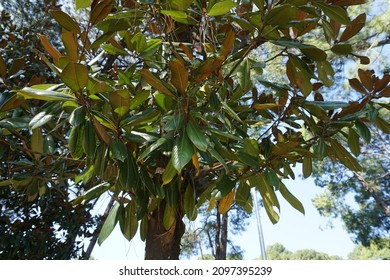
column 294, row 230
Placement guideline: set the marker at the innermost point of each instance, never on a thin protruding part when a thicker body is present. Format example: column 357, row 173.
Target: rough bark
column 221, row 232
column 162, row 244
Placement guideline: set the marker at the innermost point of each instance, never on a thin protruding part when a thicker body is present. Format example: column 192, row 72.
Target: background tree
column 368, row 218
column 378, row 249
column 279, row 252
column 37, row 218
column 213, row 234
column 159, row 110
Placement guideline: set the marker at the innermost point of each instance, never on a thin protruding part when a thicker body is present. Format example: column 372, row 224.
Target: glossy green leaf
column 181, row 4
column 218, row 157
column 268, row 196
column 174, row 123
column 230, row 111
column 320, row 149
column 120, row 101
column 113, row 24
column 161, row 141
column 129, row 174
column 109, row 224
column 294, row 202
column 89, row 140
column 244, row 75
column 223, row 134
column 196, row 136
column 280, row 15
column 16, row 66
column 75, row 142
column 344, row 156
column 272, row 178
column 65, row 21
column 75, row 76
column 152, row 47
column 190, row 203
column 328, row 31
column 47, row 95
column 15, row 123
column 309, row 50
column 325, row 72
column 329, row 105
column 298, row 75
column 224, row 186
column 353, row 141
column 95, row 192
column 264, row 106
column 39, row 120
column 182, row 152
column 110, row 49
column 307, row 166
column 175, row 13
column 128, row 220
column 77, row 117
column 169, row 173
column 243, row 193
column 342, row 49
column 37, row 142
column 139, row 99
column 143, row 230
column 101, row 158
column 169, row 217
column 249, row 160
column 363, row 130
column 179, row 16
column 251, row 147
column 221, row 8
column 81, row 4
column 101, row 39
column 118, row 150
column 138, row 42
column 334, row 12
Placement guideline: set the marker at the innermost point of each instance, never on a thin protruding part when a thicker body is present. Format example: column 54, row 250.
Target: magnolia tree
column 170, row 105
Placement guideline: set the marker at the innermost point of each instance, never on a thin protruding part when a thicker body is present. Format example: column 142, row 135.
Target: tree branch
column 97, row 230
column 382, row 204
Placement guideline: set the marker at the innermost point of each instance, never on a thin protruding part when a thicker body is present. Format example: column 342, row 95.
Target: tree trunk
column 221, row 232
column 162, row 244
column 224, row 234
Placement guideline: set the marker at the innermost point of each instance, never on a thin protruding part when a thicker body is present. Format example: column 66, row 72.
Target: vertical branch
column 224, row 234
column 217, row 236
column 97, row 230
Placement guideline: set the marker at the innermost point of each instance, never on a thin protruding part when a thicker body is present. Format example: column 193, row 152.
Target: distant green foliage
column 347, row 197
column 278, row 252
column 378, row 249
